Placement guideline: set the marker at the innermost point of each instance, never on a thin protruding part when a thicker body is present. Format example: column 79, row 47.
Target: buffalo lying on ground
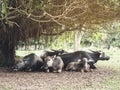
column 53, row 64
column 61, row 60
column 80, row 65
column 30, row 62
column 92, row 57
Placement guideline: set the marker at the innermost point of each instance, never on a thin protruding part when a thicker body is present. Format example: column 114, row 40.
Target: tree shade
column 24, row 19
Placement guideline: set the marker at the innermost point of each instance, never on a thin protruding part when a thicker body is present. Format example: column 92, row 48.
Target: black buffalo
column 30, row 62
column 92, row 57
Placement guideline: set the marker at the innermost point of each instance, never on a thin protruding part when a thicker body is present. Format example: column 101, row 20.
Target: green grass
column 114, row 62
column 111, row 83
column 5, row 88
column 23, row 53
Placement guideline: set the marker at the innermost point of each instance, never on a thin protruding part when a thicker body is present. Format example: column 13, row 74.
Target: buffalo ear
column 101, row 54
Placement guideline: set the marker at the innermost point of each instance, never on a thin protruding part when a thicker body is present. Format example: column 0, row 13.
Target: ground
column 60, row 81
column 105, row 77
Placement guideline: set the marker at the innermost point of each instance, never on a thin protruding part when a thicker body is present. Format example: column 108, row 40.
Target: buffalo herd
column 59, row 60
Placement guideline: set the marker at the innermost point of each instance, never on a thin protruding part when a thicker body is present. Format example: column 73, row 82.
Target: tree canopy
column 25, row 19
column 51, row 17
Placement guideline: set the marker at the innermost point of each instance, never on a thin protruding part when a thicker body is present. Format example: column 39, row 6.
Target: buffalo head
column 19, row 65
column 100, row 55
column 47, row 63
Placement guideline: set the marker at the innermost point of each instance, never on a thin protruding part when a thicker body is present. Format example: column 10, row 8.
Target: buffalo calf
column 80, row 65
column 54, row 64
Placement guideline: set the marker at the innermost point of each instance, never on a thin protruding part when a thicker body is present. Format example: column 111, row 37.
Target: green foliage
column 0, row 8
column 3, row 8
column 115, row 39
column 96, row 36
column 65, row 41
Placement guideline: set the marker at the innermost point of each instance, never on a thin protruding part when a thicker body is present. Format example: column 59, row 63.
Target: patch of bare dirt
column 52, row 81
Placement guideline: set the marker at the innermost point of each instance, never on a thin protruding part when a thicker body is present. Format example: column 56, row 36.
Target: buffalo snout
column 103, row 56
column 107, row 58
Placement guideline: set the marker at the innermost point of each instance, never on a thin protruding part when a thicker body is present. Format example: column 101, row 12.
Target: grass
column 23, row 53
column 114, row 62
column 111, row 83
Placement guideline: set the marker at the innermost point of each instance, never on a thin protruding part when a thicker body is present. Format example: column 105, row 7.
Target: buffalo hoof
column 93, row 67
column 59, row 71
column 29, row 70
column 82, row 70
column 54, row 71
column 91, row 70
column 47, row 70
column 15, row 70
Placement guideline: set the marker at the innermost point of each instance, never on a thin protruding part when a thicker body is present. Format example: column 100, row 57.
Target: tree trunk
column 9, row 38
column 9, row 34
column 7, row 54
column 77, row 39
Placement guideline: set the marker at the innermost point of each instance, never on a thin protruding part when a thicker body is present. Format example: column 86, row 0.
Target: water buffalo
column 97, row 55
column 30, row 62
column 80, row 65
column 92, row 57
column 52, row 53
column 19, row 66
column 53, row 63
